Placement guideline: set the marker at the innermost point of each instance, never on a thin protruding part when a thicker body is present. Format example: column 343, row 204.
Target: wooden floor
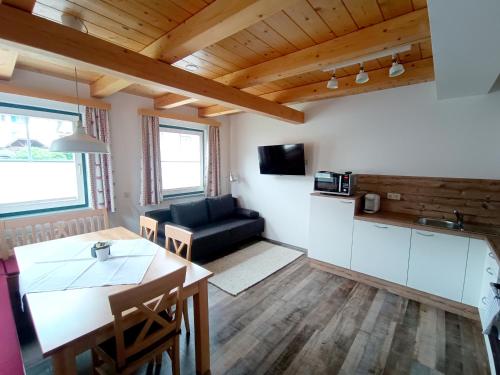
column 305, row 321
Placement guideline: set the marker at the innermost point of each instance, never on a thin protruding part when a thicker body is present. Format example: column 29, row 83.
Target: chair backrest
column 148, row 306
column 181, row 239
column 33, row 229
column 148, row 228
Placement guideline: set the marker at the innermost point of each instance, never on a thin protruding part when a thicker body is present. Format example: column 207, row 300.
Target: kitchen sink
column 440, row 223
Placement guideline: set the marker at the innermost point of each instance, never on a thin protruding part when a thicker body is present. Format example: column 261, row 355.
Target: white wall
column 402, row 131
column 125, row 139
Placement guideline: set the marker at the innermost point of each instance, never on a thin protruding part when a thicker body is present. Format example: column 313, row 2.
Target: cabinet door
column 330, row 234
column 381, row 250
column 478, row 250
column 437, row 263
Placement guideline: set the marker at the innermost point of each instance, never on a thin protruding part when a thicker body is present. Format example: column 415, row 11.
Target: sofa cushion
column 191, row 215
column 221, row 207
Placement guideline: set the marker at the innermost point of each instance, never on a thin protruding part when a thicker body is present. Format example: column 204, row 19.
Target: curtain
column 100, row 166
column 151, row 168
column 213, row 172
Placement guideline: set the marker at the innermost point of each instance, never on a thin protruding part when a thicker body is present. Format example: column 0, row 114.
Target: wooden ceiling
column 301, row 24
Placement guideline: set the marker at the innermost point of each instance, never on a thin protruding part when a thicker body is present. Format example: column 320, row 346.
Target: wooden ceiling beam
column 416, row 72
column 172, row 100
column 215, row 22
column 7, row 63
column 407, row 29
column 26, row 5
column 25, row 32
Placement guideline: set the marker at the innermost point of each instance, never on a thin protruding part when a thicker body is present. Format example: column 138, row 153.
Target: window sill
column 44, row 211
column 183, row 195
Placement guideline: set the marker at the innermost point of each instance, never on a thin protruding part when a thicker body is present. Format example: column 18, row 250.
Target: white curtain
column 151, row 191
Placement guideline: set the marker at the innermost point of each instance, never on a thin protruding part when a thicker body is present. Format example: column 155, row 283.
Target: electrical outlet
column 394, row 196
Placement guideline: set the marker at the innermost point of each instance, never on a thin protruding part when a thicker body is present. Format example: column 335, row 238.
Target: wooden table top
column 61, row 317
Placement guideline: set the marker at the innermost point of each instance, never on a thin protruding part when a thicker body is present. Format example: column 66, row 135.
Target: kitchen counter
column 410, row 221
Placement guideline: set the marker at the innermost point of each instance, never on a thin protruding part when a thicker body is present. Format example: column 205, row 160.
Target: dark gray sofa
column 217, row 225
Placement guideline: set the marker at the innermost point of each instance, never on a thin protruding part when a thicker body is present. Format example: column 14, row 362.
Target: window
column 34, row 179
column 182, row 160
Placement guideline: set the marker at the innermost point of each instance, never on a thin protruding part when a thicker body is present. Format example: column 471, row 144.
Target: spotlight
column 191, row 67
column 362, row 76
column 396, row 69
column 333, row 83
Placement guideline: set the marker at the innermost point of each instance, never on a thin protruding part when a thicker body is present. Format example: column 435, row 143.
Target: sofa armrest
column 246, row 213
column 160, row 215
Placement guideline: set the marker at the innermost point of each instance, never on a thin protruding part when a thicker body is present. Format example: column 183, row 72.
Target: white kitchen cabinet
column 478, row 250
column 381, row 250
column 330, row 232
column 437, row 263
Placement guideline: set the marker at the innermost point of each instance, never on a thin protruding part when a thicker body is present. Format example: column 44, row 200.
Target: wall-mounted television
column 282, row 159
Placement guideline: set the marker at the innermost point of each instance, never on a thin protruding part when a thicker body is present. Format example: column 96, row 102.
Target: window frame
column 195, row 190
column 54, row 205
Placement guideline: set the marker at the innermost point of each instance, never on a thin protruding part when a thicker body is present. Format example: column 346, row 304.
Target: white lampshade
column 362, row 76
column 396, row 69
column 79, row 142
column 333, row 83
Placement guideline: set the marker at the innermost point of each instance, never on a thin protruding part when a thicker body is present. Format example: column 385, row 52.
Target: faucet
column 460, row 219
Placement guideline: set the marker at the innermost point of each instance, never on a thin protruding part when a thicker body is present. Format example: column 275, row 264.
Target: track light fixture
column 396, row 69
column 362, row 76
column 333, row 83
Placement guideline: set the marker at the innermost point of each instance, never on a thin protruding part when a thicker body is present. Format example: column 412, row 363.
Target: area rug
column 239, row 271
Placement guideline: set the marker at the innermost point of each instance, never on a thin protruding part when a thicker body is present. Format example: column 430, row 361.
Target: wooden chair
column 181, row 240
column 145, row 326
column 149, row 228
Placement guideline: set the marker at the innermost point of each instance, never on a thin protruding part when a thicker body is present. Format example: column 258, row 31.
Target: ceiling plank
column 26, row 5
column 7, row 63
column 213, row 23
column 416, row 72
column 23, row 31
column 172, row 100
column 409, row 28
column 217, row 21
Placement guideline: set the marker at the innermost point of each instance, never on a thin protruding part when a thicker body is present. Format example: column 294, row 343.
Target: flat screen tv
column 282, row 159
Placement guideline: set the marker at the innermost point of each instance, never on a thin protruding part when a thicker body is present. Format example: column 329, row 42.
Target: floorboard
column 302, row 320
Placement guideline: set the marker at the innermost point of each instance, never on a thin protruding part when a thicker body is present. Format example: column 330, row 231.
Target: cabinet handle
column 347, row 202
column 491, row 255
column 489, row 270
column 425, row 235
column 484, row 300
column 381, row 226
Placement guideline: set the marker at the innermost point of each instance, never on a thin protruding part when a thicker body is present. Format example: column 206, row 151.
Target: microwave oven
column 335, row 183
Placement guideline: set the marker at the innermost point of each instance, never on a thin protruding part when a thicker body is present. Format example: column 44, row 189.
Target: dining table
column 72, row 321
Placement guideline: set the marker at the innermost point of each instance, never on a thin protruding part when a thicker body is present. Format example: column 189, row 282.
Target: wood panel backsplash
column 479, row 200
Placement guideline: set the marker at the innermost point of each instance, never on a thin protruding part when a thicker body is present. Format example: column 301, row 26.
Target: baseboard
column 301, row 249
column 458, row 308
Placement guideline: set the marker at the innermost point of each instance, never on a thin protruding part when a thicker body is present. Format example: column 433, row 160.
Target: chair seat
column 109, row 346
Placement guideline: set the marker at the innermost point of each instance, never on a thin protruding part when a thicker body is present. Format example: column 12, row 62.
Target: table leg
column 64, row 362
column 202, row 337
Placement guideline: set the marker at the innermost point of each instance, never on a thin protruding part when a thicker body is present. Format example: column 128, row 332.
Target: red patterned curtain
column 151, row 168
column 213, row 173
column 100, row 166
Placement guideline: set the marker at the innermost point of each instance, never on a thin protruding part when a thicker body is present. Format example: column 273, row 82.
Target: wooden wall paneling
column 268, row 35
column 308, row 20
column 7, row 63
column 283, row 25
column 335, row 15
column 26, row 32
column 89, row 16
column 412, row 27
column 437, row 197
column 93, row 29
column 394, row 8
column 364, row 12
